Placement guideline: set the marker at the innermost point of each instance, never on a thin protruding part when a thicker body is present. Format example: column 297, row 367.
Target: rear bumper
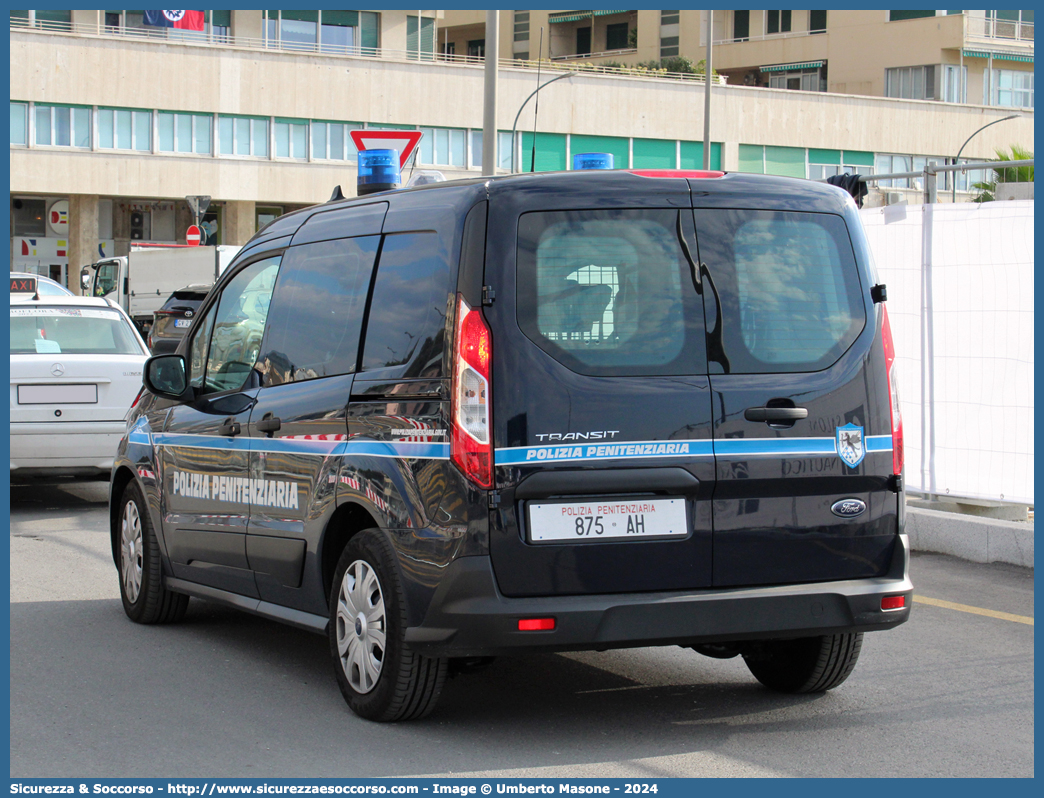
column 469, row 617
column 65, row 446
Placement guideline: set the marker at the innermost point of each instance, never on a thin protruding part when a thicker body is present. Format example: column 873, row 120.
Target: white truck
column 141, row 281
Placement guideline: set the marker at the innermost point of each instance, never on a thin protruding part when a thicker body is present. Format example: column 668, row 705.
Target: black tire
column 806, row 665
column 380, row 678
column 145, row 599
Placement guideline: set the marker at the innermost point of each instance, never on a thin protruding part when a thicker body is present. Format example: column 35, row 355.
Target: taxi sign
column 405, row 141
column 23, row 285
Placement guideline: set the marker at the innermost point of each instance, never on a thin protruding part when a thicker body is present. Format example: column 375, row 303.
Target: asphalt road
column 227, row 694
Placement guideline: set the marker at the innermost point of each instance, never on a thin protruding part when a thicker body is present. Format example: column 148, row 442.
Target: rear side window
column 406, row 330
column 787, row 285
column 610, row 292
column 317, row 310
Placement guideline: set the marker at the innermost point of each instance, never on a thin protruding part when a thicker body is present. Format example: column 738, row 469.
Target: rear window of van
column 609, row 292
column 788, row 288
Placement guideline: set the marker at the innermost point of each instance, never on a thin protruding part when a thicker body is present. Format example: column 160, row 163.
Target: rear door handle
column 230, row 427
column 268, row 424
column 775, row 413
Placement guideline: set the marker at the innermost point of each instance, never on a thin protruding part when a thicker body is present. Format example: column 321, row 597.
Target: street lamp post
column 514, row 125
column 953, row 194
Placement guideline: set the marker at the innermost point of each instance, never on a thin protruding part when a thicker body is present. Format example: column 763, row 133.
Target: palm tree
column 1006, row 174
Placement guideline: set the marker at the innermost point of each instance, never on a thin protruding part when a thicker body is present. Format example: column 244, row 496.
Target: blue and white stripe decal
column 366, row 448
column 516, row 455
column 724, row 447
column 641, row 450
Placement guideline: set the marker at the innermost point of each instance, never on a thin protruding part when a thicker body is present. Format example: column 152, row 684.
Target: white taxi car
column 76, row 366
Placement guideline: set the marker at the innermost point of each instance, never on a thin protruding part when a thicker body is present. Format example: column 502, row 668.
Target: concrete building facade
column 113, row 123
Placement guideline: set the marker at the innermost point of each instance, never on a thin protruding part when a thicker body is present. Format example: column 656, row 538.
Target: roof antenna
column 413, row 165
column 337, row 195
column 536, row 110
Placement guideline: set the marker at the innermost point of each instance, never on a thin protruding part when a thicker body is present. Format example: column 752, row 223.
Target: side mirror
column 85, row 278
column 165, row 375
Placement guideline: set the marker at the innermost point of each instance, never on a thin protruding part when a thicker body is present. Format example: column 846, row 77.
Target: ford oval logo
column 848, row 508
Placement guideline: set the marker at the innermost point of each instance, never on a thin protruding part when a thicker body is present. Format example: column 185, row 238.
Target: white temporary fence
column 960, row 301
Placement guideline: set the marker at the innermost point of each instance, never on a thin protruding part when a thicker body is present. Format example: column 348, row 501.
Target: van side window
column 788, row 286
column 198, row 348
column 610, row 292
column 238, row 326
column 317, row 311
column 407, row 322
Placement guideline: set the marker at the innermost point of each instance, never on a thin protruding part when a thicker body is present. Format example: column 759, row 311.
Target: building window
column 522, row 56
column 291, row 138
column 889, row 164
column 477, row 48
column 240, row 135
column 19, row 123
column 122, row 129
column 777, row 21
column 817, row 21
column 424, row 44
column 63, row 126
column 331, row 141
column 954, row 84
column 326, row 31
column 911, row 83
column 55, row 19
column 219, row 25
column 503, row 150
column 185, row 132
column 669, row 46
column 28, row 217
column 616, row 36
column 669, row 30
column 521, row 26
column 896, row 16
column 798, row 80
column 1008, row 88
column 443, row 147
column 740, row 26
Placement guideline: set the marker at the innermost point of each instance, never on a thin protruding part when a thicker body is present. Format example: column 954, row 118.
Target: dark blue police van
column 545, row 412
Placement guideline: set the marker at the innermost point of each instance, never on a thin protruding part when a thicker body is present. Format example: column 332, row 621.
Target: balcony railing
column 990, row 28
column 171, row 36
column 606, row 54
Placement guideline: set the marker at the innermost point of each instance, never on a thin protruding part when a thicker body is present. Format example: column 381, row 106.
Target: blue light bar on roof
column 378, row 171
column 592, row 160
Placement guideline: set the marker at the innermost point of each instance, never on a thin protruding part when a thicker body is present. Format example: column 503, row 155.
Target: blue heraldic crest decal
column 850, row 448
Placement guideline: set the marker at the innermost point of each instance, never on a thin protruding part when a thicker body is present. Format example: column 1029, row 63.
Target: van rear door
column 801, row 419
column 601, row 403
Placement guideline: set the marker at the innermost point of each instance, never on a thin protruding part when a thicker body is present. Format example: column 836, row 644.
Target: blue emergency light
column 592, row 160
column 378, row 171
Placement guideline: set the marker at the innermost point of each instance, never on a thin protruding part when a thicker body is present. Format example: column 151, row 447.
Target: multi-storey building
column 982, row 57
column 114, row 122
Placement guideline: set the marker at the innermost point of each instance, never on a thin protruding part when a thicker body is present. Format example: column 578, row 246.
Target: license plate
column 593, row 521
column 182, row 322
column 57, row 394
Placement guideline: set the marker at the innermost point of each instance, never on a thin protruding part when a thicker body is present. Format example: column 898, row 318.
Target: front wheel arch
column 121, row 478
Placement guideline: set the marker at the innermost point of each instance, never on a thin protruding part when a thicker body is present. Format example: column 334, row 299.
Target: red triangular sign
column 405, row 141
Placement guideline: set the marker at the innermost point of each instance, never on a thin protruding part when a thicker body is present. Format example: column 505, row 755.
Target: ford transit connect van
column 550, row 412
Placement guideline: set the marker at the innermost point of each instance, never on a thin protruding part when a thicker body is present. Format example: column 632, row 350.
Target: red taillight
column 536, row 624
column 693, row 173
column 893, row 393
column 472, row 441
column 893, row 602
